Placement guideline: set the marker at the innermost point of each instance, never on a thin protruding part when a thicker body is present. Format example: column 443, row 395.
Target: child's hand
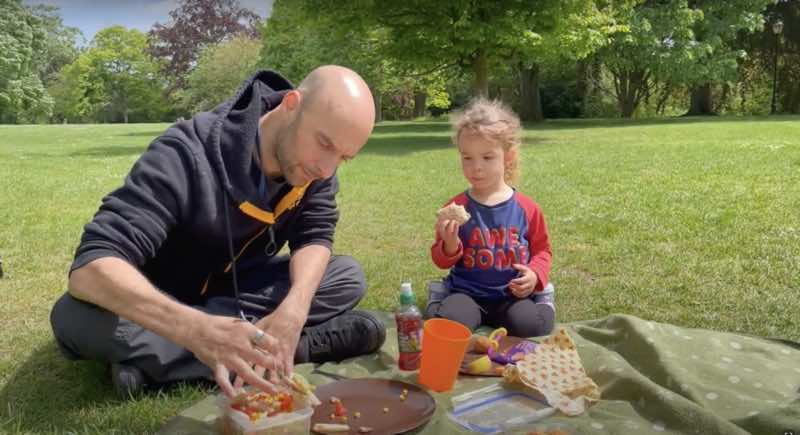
column 522, row 286
column 447, row 230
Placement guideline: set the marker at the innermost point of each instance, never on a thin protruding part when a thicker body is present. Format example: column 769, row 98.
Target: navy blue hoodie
column 168, row 218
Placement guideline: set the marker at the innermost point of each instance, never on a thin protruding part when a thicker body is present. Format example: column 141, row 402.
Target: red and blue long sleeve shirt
column 495, row 238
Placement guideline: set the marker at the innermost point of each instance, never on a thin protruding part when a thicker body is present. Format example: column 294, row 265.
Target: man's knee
column 79, row 327
column 62, row 318
column 347, row 276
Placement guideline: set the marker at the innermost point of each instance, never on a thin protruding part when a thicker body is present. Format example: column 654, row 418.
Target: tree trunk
column 377, row 98
column 791, row 99
column 724, row 98
column 662, row 98
column 419, row 103
column 480, row 66
column 125, row 114
column 627, row 108
column 701, row 102
column 582, row 85
column 630, row 87
column 595, row 77
column 531, row 102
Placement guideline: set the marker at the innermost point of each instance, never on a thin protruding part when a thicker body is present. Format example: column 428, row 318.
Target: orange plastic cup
column 443, row 345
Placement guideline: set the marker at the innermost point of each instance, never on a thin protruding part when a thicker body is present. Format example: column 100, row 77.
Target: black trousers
column 521, row 317
column 86, row 331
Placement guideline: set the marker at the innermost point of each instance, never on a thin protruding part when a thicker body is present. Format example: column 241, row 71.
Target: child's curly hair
column 497, row 123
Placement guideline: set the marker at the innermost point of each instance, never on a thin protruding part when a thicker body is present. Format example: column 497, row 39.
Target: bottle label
column 409, row 340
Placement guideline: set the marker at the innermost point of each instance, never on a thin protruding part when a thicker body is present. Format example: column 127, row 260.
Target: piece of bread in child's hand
column 454, row 212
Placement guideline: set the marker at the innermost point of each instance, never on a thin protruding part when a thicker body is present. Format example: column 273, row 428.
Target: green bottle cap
column 406, row 294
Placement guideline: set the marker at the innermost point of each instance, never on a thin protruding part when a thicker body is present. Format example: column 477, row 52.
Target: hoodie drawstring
column 232, row 255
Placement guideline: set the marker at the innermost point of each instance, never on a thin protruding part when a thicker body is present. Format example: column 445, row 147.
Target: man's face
column 316, row 142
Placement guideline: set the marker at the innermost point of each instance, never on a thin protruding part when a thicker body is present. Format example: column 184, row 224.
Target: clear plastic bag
column 496, row 409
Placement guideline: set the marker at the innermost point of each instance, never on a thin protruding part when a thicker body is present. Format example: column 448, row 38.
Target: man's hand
column 447, row 230
column 229, row 345
column 522, row 286
column 306, row 268
column 226, row 345
column 287, row 325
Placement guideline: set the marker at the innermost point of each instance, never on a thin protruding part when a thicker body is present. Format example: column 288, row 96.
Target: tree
column 60, row 49
column 220, row 70
column 113, row 80
column 71, row 91
column 578, row 30
column 194, row 25
column 22, row 94
column 469, row 35
column 60, row 44
column 128, row 74
column 715, row 35
column 298, row 37
column 788, row 46
column 294, row 41
column 765, row 48
column 428, row 92
column 659, row 45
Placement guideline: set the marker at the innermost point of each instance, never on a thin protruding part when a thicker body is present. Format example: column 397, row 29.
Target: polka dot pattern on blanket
column 554, row 370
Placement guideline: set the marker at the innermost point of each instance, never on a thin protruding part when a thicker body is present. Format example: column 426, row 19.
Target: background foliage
column 548, row 59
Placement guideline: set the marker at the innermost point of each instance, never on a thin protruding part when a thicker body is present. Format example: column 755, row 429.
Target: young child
column 500, row 258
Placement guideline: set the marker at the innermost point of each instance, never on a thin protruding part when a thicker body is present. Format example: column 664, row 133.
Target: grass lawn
column 693, row 222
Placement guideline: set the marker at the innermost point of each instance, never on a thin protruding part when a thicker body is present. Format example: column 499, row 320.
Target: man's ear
column 291, row 101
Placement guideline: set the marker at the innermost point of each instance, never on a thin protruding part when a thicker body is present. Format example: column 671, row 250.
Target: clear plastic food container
column 238, row 423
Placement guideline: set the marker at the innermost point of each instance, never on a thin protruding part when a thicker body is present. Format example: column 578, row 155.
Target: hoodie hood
column 236, row 127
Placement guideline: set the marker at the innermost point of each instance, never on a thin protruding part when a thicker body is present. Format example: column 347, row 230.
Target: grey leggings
column 521, row 317
column 86, row 331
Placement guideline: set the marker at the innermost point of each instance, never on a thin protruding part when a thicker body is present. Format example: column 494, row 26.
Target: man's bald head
column 325, row 121
column 332, row 88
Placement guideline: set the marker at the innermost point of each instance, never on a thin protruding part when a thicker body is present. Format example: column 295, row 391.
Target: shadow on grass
column 152, row 134
column 569, row 124
column 402, row 145
column 186, row 425
column 400, row 138
column 48, row 391
column 110, row 151
column 408, row 138
column 438, row 127
column 102, row 151
column 397, row 138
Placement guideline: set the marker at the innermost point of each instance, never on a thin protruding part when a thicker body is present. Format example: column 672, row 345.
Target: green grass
column 688, row 221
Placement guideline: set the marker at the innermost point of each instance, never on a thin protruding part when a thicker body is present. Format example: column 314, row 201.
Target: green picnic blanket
column 654, row 377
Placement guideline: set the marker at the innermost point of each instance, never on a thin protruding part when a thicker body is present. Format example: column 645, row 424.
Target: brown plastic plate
column 369, row 397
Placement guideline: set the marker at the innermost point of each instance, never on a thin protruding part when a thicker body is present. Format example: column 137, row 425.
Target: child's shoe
column 546, row 296
column 437, row 292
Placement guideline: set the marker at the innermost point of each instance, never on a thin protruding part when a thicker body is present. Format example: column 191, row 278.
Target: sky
column 90, row 16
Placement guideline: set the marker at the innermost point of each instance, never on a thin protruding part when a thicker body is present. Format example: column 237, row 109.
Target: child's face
column 482, row 161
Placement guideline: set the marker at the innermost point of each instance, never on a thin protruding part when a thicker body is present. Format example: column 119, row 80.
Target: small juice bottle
column 409, row 329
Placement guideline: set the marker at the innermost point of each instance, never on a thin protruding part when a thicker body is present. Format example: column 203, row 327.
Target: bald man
column 178, row 276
